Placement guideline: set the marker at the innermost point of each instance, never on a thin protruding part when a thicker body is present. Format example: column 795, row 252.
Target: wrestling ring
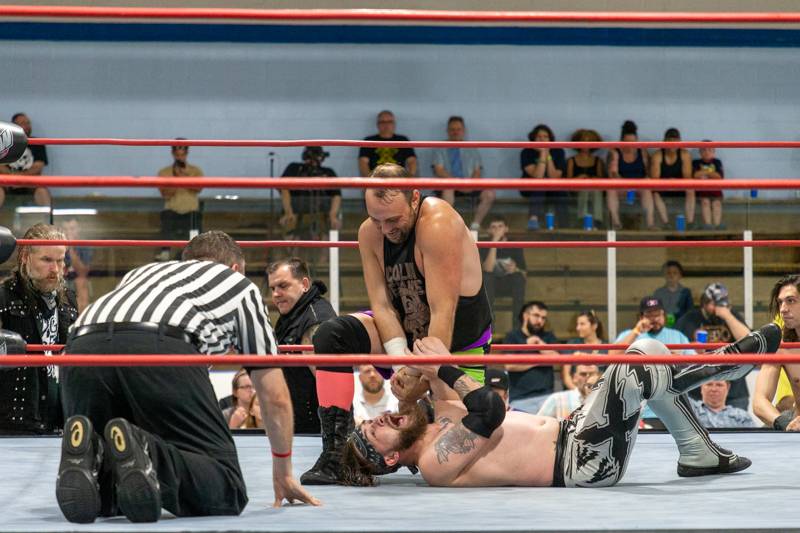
column 650, row 497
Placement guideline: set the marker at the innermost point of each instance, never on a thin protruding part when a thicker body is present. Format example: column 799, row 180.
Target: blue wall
column 295, row 90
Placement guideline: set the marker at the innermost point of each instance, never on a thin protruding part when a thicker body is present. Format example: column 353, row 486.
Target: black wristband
column 783, row 420
column 449, row 374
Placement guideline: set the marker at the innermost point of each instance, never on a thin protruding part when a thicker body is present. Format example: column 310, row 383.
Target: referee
column 164, row 440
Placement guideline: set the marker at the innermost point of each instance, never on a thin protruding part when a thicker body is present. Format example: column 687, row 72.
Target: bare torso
column 521, row 452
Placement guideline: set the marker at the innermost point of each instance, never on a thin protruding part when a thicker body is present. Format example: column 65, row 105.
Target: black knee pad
column 342, row 334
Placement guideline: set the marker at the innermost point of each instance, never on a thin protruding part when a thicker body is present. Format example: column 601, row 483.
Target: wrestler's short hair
column 390, row 170
column 789, row 335
column 215, row 246
column 297, row 267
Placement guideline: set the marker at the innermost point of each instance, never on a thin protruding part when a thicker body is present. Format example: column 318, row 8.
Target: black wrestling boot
column 728, row 464
column 77, row 487
column 336, row 424
column 137, row 487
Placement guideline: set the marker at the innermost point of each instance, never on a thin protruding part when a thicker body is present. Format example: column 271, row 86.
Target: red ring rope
column 384, row 360
column 218, row 182
column 260, row 143
column 396, row 15
column 481, row 244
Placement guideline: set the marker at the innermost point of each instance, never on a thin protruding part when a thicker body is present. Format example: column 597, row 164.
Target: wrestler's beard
column 416, row 427
column 405, row 232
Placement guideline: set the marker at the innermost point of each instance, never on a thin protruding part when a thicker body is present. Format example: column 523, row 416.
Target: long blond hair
column 44, row 232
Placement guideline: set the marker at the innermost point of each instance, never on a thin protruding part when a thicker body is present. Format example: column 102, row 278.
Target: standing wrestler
column 424, row 279
column 162, row 440
column 591, row 448
column 785, row 302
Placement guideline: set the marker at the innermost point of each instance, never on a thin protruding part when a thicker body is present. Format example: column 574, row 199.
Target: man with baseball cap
column 721, row 323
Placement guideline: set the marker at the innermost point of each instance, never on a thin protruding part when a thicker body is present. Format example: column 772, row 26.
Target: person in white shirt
column 373, row 396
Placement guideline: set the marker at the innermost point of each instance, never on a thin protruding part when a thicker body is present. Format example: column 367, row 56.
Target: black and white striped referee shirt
column 217, row 307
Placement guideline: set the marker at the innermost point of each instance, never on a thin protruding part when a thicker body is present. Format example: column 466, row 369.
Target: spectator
column 713, row 412
column 546, row 163
column 589, row 328
column 671, row 163
column 180, row 218
column 631, row 163
column 676, row 298
column 531, row 382
column 708, row 167
column 369, row 158
column 242, row 388
column 721, row 324
column 586, row 165
column 561, row 404
column 78, row 264
column 497, row 379
column 651, row 324
column 254, row 419
column 32, row 163
column 35, row 303
column 310, row 204
column 302, row 308
column 462, row 163
column 504, row 269
column 373, row 396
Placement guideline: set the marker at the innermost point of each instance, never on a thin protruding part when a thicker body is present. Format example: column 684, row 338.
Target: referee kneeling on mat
column 141, row 438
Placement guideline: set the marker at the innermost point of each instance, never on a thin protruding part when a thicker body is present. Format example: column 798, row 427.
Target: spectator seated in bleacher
column 708, row 167
column 530, row 384
column 561, row 404
column 369, row 158
column 373, row 396
column 504, row 269
column 544, row 163
column 713, row 411
column 32, row 163
column 672, row 163
column 181, row 217
column 242, row 392
column 676, row 298
column 309, row 213
column 462, row 163
column 585, row 164
column 590, row 330
column 633, row 163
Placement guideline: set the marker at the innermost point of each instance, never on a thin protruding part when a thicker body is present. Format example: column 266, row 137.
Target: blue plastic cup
column 631, row 197
column 701, row 335
column 753, row 193
column 680, row 223
column 550, row 221
column 588, row 222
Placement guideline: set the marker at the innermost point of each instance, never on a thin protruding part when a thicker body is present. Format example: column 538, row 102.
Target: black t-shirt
column 296, row 170
column 535, row 381
column 715, row 165
column 517, row 254
column 530, row 156
column 379, row 156
column 717, row 332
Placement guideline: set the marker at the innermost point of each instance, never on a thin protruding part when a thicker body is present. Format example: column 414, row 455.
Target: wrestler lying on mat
column 476, row 443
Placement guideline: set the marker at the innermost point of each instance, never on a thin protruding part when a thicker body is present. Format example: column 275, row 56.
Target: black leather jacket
column 29, row 397
column 310, row 310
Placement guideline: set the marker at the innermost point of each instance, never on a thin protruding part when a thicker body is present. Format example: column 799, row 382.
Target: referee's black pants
column 175, row 407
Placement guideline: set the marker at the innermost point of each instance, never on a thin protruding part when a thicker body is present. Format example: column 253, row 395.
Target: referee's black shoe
column 138, row 492
column 77, row 487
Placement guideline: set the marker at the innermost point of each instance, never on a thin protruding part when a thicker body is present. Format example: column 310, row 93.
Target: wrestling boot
column 77, row 486
column 336, row 425
column 766, row 339
column 137, row 487
column 699, row 455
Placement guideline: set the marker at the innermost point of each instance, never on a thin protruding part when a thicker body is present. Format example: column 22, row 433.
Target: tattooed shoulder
column 443, row 421
column 456, row 440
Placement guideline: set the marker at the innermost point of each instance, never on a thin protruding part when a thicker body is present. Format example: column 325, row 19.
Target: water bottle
column 701, row 335
column 753, row 193
column 631, row 197
column 588, row 222
column 550, row 221
column 680, row 223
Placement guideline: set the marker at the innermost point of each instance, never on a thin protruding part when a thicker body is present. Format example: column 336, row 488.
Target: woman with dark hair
column 629, row 163
column 672, row 163
column 585, row 164
column 590, row 331
column 544, row 163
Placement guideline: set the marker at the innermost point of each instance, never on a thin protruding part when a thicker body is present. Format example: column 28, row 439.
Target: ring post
column 611, row 279
column 333, row 270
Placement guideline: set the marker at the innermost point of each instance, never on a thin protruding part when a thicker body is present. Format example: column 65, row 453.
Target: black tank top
column 675, row 170
column 406, row 286
column 590, row 171
column 634, row 169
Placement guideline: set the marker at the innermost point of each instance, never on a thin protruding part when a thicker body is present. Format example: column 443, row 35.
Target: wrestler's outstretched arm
column 370, row 246
column 459, row 442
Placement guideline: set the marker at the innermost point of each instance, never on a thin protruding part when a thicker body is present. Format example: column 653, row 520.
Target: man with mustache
column 36, row 304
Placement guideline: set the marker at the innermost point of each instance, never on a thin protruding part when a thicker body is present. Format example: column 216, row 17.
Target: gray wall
column 295, row 91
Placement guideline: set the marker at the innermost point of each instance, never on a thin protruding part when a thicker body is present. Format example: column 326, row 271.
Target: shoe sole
column 696, row 471
column 76, row 489
column 138, row 498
